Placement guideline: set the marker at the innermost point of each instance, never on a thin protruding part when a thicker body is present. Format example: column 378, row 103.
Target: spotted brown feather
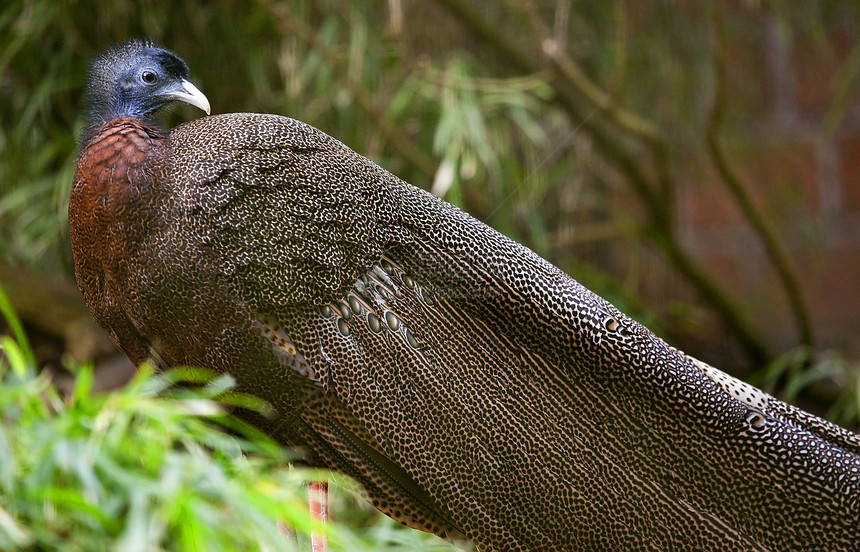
column 471, row 387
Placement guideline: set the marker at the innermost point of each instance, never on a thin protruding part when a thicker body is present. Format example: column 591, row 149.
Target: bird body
column 471, row 387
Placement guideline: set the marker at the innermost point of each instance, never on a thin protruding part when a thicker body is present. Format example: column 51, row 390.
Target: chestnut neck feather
column 111, row 190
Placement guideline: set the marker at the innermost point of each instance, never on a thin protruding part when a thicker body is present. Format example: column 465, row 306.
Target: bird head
column 137, row 79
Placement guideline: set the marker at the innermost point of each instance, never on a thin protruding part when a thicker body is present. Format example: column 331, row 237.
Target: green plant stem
column 778, row 256
column 405, row 147
column 658, row 204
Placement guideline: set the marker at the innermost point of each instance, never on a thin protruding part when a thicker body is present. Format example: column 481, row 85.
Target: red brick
column 781, row 178
column 817, row 66
column 830, row 278
column 815, row 77
column 704, row 200
column 746, row 80
column 849, row 172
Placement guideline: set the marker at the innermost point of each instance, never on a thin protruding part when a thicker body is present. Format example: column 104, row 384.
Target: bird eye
column 148, row 77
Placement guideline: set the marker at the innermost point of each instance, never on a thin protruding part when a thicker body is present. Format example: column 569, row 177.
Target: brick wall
column 785, row 83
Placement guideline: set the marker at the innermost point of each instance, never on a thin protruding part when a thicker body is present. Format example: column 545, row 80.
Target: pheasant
column 472, row 388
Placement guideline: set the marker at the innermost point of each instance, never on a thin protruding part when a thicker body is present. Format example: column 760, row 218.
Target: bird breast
column 112, row 184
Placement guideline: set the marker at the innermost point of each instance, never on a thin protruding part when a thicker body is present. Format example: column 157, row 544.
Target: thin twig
column 291, row 25
column 778, row 256
column 572, row 75
column 658, row 204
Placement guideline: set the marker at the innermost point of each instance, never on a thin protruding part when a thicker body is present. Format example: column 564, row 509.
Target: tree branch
column 778, row 256
column 658, row 203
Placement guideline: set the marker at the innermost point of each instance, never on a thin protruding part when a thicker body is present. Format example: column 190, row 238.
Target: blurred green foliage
column 410, row 86
column 151, row 468
column 488, row 133
column 495, row 145
column 585, row 172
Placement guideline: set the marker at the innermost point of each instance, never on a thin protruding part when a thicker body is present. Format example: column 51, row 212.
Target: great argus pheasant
column 471, row 387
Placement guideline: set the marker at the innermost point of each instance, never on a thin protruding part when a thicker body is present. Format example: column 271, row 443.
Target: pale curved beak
column 189, row 94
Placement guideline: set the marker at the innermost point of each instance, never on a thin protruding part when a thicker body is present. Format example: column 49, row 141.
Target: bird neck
column 116, row 152
column 101, row 130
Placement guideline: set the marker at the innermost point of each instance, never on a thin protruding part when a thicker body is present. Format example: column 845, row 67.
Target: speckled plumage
column 473, row 388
